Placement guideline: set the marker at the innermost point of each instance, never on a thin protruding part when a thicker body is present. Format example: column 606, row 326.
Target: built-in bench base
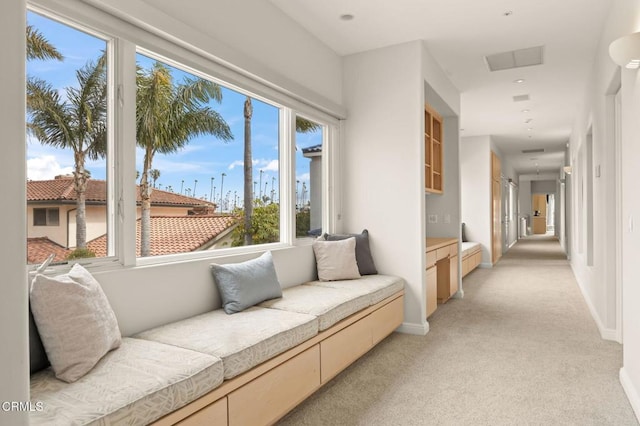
column 267, row 392
column 471, row 257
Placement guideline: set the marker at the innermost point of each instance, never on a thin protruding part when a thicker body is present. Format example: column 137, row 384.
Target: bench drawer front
column 431, row 258
column 466, row 265
column 386, row 319
column 453, row 250
column 214, row 414
column 443, row 252
column 344, row 347
column 477, row 259
column 270, row 396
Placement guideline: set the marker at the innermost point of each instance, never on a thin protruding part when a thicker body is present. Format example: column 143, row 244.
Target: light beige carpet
column 520, row 349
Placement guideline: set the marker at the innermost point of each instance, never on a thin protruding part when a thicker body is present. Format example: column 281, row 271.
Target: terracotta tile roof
column 38, row 249
column 61, row 189
column 174, row 234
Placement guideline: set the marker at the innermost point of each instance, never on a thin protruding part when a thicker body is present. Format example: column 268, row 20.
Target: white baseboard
column 486, row 265
column 605, row 333
column 413, row 328
column 459, row 294
column 632, row 393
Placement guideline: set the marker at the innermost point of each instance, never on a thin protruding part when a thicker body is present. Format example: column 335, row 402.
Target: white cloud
column 238, row 163
column 305, row 177
column 45, row 167
column 272, row 166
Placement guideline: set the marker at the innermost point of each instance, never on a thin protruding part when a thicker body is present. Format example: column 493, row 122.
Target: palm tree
column 155, row 175
column 167, row 117
column 248, row 173
column 78, row 123
column 38, row 47
column 302, row 126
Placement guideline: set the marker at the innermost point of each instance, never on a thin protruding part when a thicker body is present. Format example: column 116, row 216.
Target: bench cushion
column 379, row 287
column 135, row 384
column 242, row 340
column 469, row 248
column 329, row 305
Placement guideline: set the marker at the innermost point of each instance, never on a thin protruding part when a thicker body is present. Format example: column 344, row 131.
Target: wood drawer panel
column 268, row 397
column 214, row 415
column 386, row 319
column 453, row 283
column 344, row 347
column 465, row 266
column 443, row 252
column 432, row 290
column 477, row 259
column 431, row 258
column 453, row 249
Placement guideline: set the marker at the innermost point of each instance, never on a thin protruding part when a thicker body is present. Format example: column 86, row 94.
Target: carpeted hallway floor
column 520, row 349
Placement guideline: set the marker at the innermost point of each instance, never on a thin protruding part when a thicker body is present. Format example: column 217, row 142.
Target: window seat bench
column 471, row 256
column 249, row 368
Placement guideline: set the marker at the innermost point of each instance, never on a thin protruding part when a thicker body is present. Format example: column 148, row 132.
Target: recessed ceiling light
column 520, row 80
column 347, row 17
column 530, row 129
column 508, row 13
column 525, row 111
column 528, row 120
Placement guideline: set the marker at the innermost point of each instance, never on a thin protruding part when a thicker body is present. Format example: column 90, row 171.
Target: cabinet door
column 432, row 290
column 453, row 275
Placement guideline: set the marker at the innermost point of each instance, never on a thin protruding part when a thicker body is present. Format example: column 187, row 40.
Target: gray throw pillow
column 242, row 285
column 75, row 321
column 37, row 356
column 363, row 251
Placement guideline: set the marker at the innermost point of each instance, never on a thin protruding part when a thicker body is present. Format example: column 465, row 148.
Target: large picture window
column 194, row 138
column 67, row 150
column 136, row 156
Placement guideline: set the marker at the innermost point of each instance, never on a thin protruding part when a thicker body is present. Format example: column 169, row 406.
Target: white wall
column 14, row 359
column 598, row 282
column 383, row 166
column 251, row 35
column 475, row 170
column 384, row 160
column 148, row 295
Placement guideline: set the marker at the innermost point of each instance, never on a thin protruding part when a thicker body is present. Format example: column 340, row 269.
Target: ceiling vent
column 520, row 98
column 515, row 59
column 531, row 151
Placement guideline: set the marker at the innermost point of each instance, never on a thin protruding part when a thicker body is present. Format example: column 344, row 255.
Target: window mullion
column 124, row 170
column 287, row 176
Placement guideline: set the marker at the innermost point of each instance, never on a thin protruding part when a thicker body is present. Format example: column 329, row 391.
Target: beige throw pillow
column 336, row 260
column 75, row 321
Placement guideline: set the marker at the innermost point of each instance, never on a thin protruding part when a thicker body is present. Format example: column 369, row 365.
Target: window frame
column 124, row 41
column 47, row 212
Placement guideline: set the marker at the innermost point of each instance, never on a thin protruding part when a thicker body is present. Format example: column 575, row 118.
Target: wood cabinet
column 443, row 275
column 496, row 209
column 433, row 151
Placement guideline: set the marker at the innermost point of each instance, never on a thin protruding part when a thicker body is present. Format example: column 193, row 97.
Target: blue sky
column 203, row 158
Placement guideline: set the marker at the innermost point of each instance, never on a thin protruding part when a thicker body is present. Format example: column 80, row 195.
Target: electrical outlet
column 433, row 218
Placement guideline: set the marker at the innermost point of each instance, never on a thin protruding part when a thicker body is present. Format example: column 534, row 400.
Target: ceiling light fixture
column 530, row 128
column 528, row 120
column 508, row 13
column 347, row 17
column 518, row 81
column 525, row 111
column 625, row 51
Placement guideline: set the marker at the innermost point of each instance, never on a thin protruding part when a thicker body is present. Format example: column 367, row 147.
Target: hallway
column 519, row 348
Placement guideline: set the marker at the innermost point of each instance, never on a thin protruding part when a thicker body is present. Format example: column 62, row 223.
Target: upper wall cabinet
column 433, row 177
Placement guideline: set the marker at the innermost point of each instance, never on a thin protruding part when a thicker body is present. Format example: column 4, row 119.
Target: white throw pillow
column 336, row 260
column 75, row 321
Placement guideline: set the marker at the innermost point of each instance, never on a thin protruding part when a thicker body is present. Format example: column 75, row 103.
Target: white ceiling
column 459, row 33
